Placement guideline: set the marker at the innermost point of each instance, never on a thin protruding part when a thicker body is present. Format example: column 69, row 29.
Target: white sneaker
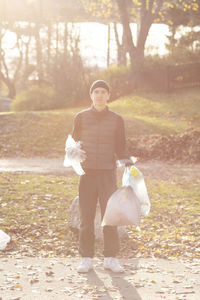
column 112, row 264
column 85, row 265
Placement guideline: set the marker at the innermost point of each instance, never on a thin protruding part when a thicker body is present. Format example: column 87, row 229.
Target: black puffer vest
column 98, row 132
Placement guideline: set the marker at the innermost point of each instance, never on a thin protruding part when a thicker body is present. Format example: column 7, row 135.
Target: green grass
column 172, row 228
column 160, row 113
column 44, row 133
column 35, row 211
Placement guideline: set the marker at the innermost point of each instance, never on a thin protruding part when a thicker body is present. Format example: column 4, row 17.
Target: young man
column 102, row 134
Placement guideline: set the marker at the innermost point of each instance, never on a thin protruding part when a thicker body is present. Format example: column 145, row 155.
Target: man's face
column 99, row 97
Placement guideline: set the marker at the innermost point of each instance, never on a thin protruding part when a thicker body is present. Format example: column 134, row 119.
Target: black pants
column 96, row 185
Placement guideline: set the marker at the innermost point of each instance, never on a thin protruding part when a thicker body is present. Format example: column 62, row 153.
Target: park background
column 149, row 52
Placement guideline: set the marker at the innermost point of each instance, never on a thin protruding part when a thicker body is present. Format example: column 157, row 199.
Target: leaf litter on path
column 28, row 277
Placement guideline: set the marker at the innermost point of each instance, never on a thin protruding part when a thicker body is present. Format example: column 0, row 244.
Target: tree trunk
column 49, row 46
column 144, row 23
column 38, row 53
column 121, row 48
column 38, row 41
column 5, row 79
column 27, row 54
column 148, row 12
column 124, row 16
column 0, row 48
column 65, row 40
column 10, row 85
column 108, row 49
column 57, row 40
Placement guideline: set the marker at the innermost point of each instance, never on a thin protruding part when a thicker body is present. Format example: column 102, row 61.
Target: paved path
column 34, row 165
column 152, row 169
column 57, row 278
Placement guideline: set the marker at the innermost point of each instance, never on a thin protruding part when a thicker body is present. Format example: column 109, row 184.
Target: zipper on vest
column 98, row 138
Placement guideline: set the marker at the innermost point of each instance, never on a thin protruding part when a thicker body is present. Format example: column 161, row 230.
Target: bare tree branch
column 159, row 6
column 20, row 60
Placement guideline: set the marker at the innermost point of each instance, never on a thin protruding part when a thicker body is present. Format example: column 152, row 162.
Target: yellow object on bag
column 133, row 177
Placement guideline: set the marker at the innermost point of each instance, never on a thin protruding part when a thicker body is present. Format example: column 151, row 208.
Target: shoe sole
column 79, row 271
column 109, row 269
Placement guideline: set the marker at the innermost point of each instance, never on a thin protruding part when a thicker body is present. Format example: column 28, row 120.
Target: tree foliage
column 45, row 48
column 44, row 44
column 183, row 13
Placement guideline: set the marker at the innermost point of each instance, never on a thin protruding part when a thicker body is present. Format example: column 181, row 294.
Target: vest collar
column 99, row 113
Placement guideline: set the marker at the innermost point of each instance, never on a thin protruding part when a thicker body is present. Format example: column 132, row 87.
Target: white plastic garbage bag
column 74, row 155
column 4, row 240
column 134, row 178
column 123, row 208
